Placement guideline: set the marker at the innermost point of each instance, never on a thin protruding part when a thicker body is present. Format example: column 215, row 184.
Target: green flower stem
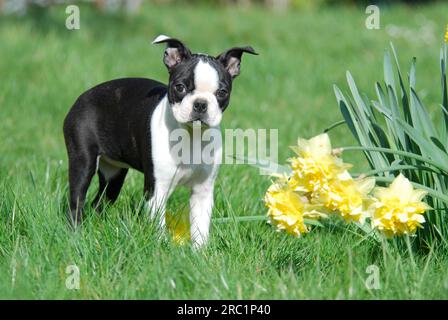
column 399, row 152
column 241, row 219
column 396, row 168
column 258, row 218
column 334, row 125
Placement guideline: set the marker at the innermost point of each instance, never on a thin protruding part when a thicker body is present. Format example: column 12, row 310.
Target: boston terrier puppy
column 128, row 123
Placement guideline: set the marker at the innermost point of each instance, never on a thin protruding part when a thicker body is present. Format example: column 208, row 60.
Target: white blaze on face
column 206, row 82
column 205, row 78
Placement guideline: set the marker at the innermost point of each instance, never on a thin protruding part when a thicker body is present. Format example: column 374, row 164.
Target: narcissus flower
column 315, row 165
column 178, row 226
column 320, row 183
column 446, row 34
column 288, row 209
column 398, row 209
column 347, row 197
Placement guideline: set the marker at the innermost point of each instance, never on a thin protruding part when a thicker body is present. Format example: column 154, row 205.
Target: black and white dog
column 126, row 123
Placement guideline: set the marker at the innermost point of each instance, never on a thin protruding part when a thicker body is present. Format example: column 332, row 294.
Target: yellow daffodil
column 178, row 226
column 315, row 165
column 347, row 197
column 446, row 34
column 288, row 209
column 316, row 147
column 320, row 183
column 398, row 209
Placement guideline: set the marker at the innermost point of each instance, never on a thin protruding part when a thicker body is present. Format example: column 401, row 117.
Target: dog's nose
column 200, row 106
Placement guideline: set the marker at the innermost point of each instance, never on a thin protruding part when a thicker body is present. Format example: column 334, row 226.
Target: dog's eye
column 222, row 93
column 180, row 88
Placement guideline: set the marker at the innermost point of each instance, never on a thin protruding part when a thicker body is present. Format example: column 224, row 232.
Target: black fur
column 113, row 120
column 91, row 129
column 182, row 74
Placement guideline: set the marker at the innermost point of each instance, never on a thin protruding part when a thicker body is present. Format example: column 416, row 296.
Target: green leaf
column 440, row 166
column 266, row 165
column 404, row 97
column 388, row 72
column 359, row 103
column 345, row 112
column 424, row 121
column 444, row 118
column 426, row 145
column 438, row 144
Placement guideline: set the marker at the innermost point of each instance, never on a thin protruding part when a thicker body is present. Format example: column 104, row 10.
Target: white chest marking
column 167, row 169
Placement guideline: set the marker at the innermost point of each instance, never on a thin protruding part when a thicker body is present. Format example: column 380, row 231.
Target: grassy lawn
column 288, row 87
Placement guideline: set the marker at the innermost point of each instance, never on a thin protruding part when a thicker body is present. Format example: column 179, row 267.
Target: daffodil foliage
column 400, row 137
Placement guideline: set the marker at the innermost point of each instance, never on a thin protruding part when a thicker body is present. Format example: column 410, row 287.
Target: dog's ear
column 231, row 59
column 175, row 51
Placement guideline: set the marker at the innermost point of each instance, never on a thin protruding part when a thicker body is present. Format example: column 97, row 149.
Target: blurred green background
column 135, row 5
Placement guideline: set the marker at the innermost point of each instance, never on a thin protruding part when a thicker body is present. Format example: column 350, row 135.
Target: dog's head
column 200, row 85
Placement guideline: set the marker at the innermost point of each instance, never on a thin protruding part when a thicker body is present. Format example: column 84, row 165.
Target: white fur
column 108, row 167
column 169, row 173
column 205, row 78
column 206, row 82
column 159, row 38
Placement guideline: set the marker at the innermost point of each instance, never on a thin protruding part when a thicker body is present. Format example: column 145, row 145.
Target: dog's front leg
column 201, row 205
column 157, row 203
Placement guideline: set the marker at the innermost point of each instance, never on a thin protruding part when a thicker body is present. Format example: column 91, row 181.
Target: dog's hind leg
column 111, row 180
column 82, row 167
column 82, row 152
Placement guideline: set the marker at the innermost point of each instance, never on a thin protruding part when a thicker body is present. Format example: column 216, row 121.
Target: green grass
column 44, row 67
